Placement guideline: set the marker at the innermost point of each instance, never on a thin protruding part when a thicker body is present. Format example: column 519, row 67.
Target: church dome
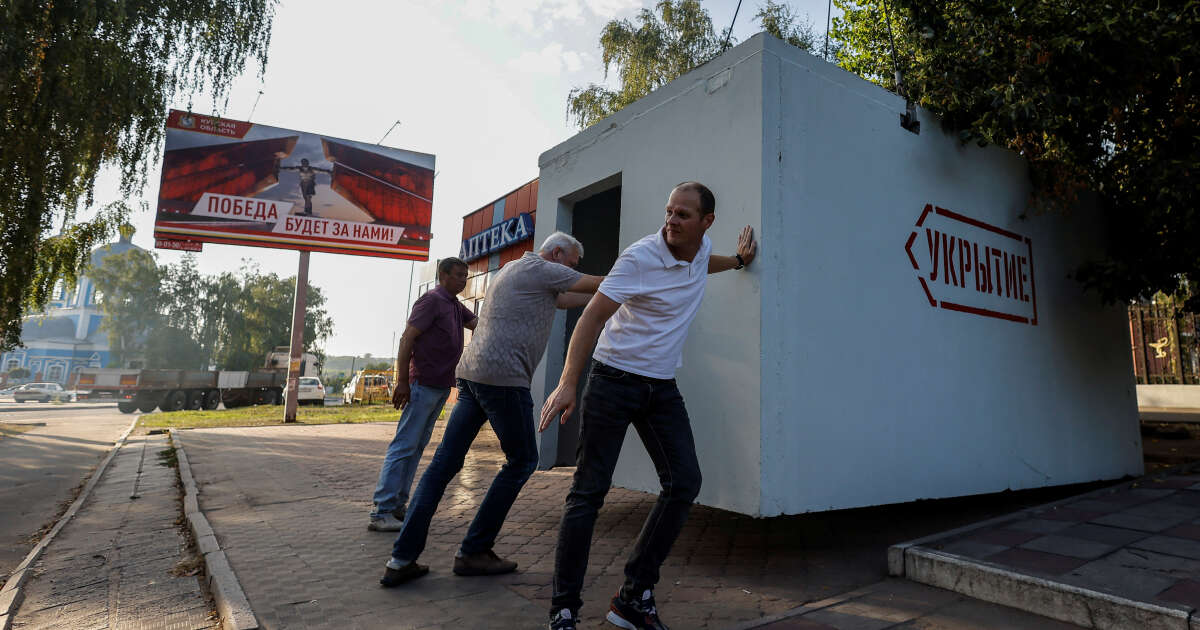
column 124, row 244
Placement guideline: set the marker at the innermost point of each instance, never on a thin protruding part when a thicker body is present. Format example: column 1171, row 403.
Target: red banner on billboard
column 241, row 183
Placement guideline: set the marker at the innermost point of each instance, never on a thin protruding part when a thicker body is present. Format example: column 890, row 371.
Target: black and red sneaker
column 636, row 614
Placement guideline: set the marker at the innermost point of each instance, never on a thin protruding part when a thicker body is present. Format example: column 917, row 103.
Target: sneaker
column 483, row 563
column 385, row 523
column 562, row 620
column 400, row 512
column 396, row 577
column 635, row 615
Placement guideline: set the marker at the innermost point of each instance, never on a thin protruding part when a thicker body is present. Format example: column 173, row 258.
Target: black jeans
column 612, row 400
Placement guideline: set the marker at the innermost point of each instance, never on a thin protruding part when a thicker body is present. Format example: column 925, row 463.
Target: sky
column 481, row 84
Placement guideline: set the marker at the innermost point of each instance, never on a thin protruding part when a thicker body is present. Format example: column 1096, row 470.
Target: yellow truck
column 367, row 387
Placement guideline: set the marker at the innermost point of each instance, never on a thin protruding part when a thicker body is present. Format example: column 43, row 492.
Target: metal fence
column 1166, row 349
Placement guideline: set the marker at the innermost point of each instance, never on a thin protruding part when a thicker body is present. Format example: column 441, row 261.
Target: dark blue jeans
column 612, row 401
column 510, row 411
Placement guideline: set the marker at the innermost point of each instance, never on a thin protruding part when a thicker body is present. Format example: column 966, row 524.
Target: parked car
column 367, row 387
column 41, row 392
column 310, row 391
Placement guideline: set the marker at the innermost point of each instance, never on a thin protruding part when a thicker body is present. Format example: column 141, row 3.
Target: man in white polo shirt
column 645, row 306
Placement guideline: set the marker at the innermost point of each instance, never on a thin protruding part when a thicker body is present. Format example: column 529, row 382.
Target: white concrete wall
column 823, row 378
column 1169, row 396
column 706, row 128
column 872, row 396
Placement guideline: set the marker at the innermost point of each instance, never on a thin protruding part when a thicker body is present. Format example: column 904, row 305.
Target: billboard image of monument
column 240, row 183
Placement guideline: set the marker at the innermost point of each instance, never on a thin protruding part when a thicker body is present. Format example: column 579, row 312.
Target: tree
column 662, row 45
column 258, row 317
column 174, row 317
column 131, row 283
column 86, row 86
column 782, row 22
column 646, row 56
column 1100, row 98
column 19, row 373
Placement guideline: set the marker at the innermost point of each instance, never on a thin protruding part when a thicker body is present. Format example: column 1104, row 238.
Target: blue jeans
column 404, row 453
column 510, row 411
column 613, row 400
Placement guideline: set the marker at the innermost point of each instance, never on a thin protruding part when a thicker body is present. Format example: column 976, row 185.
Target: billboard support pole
column 297, row 349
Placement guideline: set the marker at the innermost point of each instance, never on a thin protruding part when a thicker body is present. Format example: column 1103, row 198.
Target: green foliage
column 131, row 286
column 335, row 381
column 1099, row 97
column 174, row 317
column 782, row 22
column 662, row 44
column 864, row 44
column 258, row 316
column 86, row 85
column 19, row 373
column 265, row 415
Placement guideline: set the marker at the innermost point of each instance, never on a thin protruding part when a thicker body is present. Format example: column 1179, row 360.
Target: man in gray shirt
column 493, row 385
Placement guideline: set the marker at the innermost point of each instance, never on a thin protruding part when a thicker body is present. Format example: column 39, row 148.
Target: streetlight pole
column 297, row 348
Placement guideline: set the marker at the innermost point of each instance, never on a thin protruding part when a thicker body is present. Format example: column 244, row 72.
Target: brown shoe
column 395, row 577
column 483, row 563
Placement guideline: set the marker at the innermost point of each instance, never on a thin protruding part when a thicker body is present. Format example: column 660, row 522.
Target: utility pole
column 297, row 349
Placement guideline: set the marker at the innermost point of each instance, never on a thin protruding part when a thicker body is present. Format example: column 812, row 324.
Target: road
column 46, row 450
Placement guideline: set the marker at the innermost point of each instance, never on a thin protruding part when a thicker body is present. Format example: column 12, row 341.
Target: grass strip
column 268, row 415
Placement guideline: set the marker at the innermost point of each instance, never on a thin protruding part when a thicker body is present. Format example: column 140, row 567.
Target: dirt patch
column 1169, row 444
column 8, row 430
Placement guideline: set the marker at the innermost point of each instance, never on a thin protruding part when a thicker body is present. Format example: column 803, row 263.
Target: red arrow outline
column 908, row 250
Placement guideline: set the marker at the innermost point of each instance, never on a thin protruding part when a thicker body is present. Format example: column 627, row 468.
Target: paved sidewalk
column 1125, row 557
column 110, row 566
column 289, row 506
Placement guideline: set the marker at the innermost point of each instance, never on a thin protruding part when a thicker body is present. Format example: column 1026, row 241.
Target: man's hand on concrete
column 400, row 395
column 747, row 247
column 561, row 400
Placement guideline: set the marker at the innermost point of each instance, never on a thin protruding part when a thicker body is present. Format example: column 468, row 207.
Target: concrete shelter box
column 907, row 331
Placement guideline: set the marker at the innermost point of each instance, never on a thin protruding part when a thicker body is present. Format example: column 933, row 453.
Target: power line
column 828, row 22
column 730, row 31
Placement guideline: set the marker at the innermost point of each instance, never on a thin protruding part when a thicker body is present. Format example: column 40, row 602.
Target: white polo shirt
column 659, row 296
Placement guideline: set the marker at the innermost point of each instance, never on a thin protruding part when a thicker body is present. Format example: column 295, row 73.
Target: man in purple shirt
column 429, row 352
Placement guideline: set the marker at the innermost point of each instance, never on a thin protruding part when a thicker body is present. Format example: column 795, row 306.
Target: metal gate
column 1165, row 345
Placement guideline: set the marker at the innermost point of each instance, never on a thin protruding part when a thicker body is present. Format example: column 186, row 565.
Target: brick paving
column 289, row 506
column 110, row 566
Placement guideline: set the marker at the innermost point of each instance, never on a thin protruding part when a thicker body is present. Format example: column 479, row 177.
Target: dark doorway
column 596, row 222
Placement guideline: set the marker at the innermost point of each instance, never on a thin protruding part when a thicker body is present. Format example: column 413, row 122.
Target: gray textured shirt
column 515, row 323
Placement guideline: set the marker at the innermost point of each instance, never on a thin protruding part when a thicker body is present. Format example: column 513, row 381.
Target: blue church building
column 66, row 338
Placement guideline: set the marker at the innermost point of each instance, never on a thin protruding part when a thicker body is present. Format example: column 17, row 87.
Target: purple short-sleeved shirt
column 440, row 317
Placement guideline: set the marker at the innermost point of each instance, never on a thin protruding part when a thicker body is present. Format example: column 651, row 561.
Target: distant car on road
column 310, row 391
column 367, row 387
column 8, row 391
column 41, row 392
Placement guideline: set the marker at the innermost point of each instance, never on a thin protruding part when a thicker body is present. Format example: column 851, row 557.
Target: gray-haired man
column 493, row 386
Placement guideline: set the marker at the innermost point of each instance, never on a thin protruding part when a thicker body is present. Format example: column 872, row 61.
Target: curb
column 232, row 603
column 1080, row 606
column 995, row 584
column 12, row 593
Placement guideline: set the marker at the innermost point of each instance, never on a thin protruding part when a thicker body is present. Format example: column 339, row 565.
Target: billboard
column 240, row 183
